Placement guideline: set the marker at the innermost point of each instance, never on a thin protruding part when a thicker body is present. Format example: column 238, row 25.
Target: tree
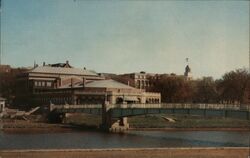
column 8, row 81
column 173, row 89
column 205, row 90
column 233, row 86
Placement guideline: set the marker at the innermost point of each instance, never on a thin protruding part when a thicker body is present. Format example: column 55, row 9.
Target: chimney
column 67, row 62
column 83, row 82
column 43, row 63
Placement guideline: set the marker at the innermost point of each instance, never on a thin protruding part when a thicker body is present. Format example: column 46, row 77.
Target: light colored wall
column 2, row 106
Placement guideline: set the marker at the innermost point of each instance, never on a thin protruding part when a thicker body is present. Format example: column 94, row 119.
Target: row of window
column 90, row 101
column 43, row 83
column 141, row 76
column 143, row 83
column 69, row 100
column 151, row 100
column 59, row 100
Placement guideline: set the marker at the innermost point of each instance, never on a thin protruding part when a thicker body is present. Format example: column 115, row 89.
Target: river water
column 132, row 139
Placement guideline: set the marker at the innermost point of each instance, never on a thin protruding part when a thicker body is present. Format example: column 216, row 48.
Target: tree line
column 233, row 87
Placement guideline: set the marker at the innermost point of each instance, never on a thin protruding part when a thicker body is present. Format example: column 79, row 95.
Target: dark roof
column 61, row 65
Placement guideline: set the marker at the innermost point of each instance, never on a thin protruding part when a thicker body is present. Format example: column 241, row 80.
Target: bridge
column 114, row 116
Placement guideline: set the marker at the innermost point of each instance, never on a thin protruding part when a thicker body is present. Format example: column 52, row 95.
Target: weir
column 114, row 116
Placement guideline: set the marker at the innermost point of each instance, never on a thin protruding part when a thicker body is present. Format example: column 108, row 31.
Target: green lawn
column 182, row 121
column 158, row 121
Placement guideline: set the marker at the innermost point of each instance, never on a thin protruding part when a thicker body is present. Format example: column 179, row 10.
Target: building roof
column 107, row 84
column 62, row 70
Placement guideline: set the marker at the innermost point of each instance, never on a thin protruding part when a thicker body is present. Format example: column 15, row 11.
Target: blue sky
column 128, row 36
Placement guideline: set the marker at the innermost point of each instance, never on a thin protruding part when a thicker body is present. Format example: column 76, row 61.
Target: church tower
column 187, row 73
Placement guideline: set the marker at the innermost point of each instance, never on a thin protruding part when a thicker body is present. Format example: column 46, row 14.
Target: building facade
column 96, row 92
column 47, row 77
column 63, row 84
column 138, row 80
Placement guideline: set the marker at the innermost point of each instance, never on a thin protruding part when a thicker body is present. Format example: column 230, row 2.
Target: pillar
column 106, row 117
column 108, row 124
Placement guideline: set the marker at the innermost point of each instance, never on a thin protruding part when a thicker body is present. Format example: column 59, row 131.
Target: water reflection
column 138, row 139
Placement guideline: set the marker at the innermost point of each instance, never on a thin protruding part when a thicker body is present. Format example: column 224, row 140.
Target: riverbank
column 12, row 126
column 242, row 129
column 142, row 123
column 22, row 126
column 131, row 153
column 159, row 122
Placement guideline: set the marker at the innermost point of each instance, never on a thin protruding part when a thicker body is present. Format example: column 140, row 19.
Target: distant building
column 2, row 104
column 144, row 80
column 137, row 80
column 5, row 68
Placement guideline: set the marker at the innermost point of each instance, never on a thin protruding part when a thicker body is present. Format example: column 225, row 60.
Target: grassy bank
column 160, row 121
column 11, row 125
column 147, row 122
column 181, row 121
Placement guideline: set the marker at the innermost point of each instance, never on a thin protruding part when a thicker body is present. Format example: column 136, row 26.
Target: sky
column 128, row 36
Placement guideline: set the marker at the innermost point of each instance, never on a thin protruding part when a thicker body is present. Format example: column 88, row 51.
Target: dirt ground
column 130, row 153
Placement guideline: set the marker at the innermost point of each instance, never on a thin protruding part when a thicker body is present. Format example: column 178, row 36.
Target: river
column 132, row 139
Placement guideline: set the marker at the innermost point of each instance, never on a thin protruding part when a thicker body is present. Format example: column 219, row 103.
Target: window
column 43, row 84
column 49, row 84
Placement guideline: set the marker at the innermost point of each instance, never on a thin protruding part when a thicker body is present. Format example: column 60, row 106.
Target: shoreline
column 121, row 149
column 73, row 128
column 197, row 152
column 236, row 129
column 68, row 130
column 33, row 127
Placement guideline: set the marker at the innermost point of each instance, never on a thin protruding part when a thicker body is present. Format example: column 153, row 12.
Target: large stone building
column 62, row 84
column 137, row 80
column 96, row 92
